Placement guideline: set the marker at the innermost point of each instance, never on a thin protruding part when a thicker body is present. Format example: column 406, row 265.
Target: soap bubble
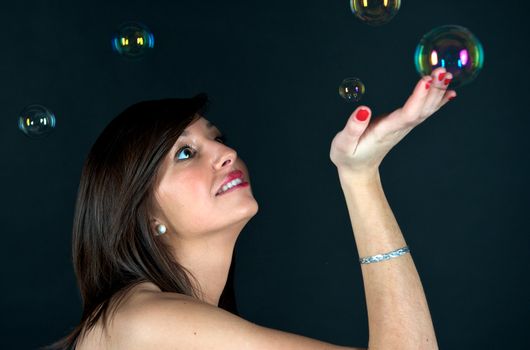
column 36, row 121
column 453, row 47
column 133, row 40
column 351, row 89
column 375, row 12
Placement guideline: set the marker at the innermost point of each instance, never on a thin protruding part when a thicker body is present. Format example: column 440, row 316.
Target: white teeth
column 230, row 185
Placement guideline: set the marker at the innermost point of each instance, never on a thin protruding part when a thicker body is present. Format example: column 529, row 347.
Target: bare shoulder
column 102, row 338
column 161, row 321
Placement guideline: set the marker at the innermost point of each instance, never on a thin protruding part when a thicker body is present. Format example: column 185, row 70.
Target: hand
column 360, row 147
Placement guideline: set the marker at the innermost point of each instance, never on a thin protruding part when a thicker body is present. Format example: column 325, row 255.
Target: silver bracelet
column 386, row 256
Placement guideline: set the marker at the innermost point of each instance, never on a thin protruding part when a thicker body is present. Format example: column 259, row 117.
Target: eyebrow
column 209, row 125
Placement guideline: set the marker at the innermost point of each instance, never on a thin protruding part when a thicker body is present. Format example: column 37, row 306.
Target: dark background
column 457, row 184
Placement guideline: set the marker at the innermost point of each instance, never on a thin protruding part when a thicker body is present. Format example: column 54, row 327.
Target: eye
column 188, row 147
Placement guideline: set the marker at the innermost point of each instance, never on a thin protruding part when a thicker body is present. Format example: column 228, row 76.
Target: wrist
column 350, row 178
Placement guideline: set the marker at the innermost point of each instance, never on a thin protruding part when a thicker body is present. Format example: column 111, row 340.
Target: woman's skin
column 202, row 230
column 398, row 312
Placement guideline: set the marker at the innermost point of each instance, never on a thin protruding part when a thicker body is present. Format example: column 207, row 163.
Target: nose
column 228, row 157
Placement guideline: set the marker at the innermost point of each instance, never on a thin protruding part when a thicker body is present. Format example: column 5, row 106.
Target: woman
column 155, row 227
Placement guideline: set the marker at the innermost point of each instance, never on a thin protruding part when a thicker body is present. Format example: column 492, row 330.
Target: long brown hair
column 113, row 248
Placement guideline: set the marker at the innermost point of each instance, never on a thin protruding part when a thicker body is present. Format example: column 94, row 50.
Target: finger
column 361, row 116
column 358, row 120
column 441, row 79
column 414, row 104
column 350, row 135
column 449, row 95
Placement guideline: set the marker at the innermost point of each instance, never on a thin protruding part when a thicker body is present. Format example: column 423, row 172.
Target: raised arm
column 398, row 313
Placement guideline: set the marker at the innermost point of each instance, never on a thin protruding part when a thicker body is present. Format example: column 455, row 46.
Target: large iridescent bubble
column 133, row 40
column 375, row 12
column 453, row 47
column 36, row 121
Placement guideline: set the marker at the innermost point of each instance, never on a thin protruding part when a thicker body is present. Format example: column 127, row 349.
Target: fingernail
column 441, row 76
column 362, row 115
column 447, row 81
column 427, row 86
column 450, row 98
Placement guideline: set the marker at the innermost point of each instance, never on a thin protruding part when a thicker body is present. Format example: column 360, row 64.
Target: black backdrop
column 457, row 183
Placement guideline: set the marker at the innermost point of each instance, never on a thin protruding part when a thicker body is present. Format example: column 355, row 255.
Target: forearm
column 398, row 314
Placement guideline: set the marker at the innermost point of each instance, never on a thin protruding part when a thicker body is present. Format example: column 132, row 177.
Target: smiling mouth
column 241, row 185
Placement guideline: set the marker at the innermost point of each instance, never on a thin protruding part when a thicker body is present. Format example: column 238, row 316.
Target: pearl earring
column 160, row 229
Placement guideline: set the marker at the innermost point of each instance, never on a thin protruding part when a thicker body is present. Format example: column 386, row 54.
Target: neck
column 208, row 259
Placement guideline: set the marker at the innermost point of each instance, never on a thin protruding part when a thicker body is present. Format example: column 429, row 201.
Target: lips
column 231, row 176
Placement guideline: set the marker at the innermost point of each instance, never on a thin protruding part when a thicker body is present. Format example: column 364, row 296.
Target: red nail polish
column 441, row 76
column 447, row 81
column 427, row 86
column 362, row 115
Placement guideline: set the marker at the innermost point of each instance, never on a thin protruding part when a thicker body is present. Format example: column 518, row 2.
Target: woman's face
column 191, row 176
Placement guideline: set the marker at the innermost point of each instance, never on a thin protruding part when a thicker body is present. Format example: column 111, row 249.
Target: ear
column 153, row 225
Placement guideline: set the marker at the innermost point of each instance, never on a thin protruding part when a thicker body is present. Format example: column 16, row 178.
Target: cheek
column 196, row 188
column 193, row 210
column 188, row 195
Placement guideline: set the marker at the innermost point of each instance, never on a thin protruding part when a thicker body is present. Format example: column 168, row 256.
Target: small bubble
column 375, row 12
column 351, row 89
column 36, row 121
column 133, row 40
